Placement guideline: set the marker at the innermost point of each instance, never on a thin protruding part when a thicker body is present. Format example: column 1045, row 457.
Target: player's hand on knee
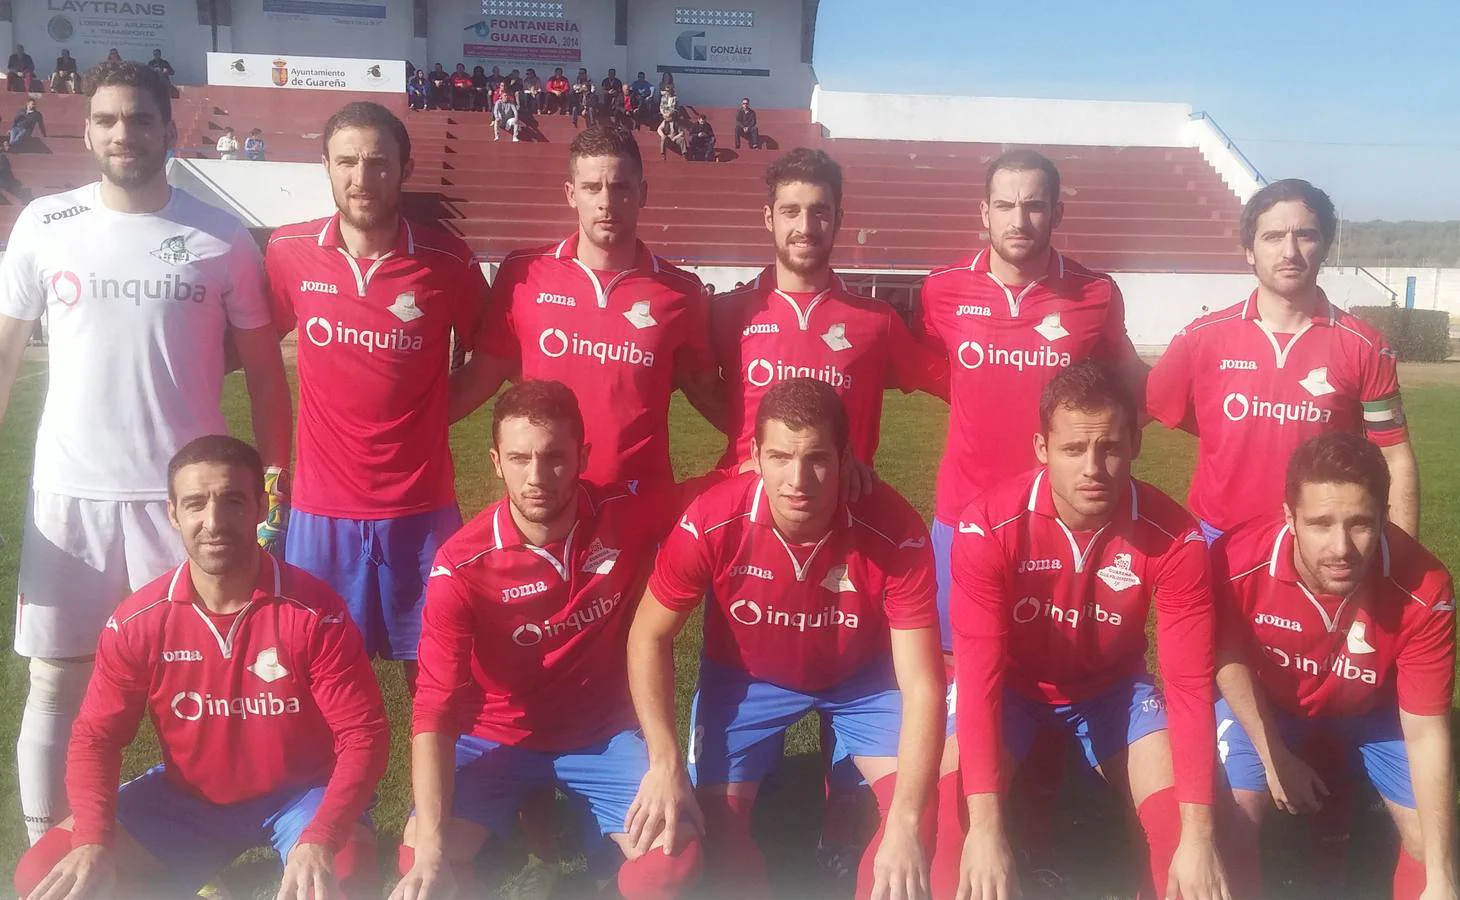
column 274, row 527
column 987, row 869
column 309, row 874
column 87, row 871
column 1295, row 787
column 665, row 804
column 1197, row 872
column 430, row 878
column 858, row 478
column 900, row 868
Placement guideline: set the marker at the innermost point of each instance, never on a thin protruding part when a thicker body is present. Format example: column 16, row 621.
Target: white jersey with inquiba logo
column 138, row 306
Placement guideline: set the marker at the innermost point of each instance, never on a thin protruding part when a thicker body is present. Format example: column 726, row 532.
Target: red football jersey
column 618, row 341
column 858, row 345
column 278, row 695
column 525, row 645
column 1320, row 655
column 1003, row 347
column 1252, row 396
column 802, row 617
column 1058, row 617
column 374, row 356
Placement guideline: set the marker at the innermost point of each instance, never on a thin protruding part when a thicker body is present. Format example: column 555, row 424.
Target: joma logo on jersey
column 1040, row 565
column 182, row 656
column 1278, row 622
column 1339, row 664
column 749, row 613
column 554, row 343
column 1246, row 365
column 524, row 590
column 764, row 328
column 190, row 706
column 973, row 355
column 761, row 372
column 1030, row 608
column 753, row 572
column 531, row 634
column 1239, row 406
column 967, row 310
column 64, row 214
column 318, row 287
column 556, row 299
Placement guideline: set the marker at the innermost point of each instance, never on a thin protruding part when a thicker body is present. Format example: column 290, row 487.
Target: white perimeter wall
column 1434, row 288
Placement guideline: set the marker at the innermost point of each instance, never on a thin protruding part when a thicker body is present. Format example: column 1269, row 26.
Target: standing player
column 376, row 298
column 601, row 314
column 1255, row 380
column 797, row 318
column 140, row 282
column 817, row 604
column 1337, row 624
column 526, row 618
column 271, row 727
column 1055, row 573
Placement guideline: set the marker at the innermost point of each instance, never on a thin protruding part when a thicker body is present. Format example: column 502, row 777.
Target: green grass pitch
column 1091, row 828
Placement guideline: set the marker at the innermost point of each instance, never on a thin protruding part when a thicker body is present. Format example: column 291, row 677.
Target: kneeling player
column 1054, row 575
column 819, row 604
column 1337, row 625
column 522, row 641
column 271, row 724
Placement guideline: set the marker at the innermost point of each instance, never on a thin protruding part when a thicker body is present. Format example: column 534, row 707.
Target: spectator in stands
column 556, row 99
column 629, row 111
column 494, row 82
column 668, row 100
column 20, row 71
column 461, row 88
column 410, row 70
column 666, row 80
column 228, row 144
column 745, row 125
column 513, row 83
column 65, row 80
column 671, row 131
column 507, row 113
column 113, row 56
column 439, row 96
column 27, row 121
column 531, row 92
column 643, row 91
column 481, row 90
column 161, row 67
column 701, row 141
column 416, row 89
column 584, row 102
column 253, row 145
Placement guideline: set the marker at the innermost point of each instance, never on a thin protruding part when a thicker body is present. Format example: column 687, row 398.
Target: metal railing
column 1230, row 144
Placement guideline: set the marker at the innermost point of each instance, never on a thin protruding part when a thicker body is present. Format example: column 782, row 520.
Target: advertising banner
column 712, row 50
column 347, row 13
column 317, row 73
column 511, row 38
column 134, row 27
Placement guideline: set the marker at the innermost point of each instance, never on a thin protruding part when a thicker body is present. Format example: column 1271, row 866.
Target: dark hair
column 364, row 114
column 128, row 74
column 1316, row 200
column 1338, row 457
column 1087, row 386
column 221, row 449
column 808, row 167
column 1024, row 160
column 540, row 402
column 802, row 403
column 602, row 140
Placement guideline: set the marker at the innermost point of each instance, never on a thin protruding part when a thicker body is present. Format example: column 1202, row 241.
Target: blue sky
column 1361, row 97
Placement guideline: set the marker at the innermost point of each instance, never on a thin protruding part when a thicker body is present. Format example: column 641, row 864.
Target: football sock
column 1161, row 820
column 357, row 869
column 730, row 852
column 54, row 699
column 658, row 876
column 41, row 858
column 947, row 849
column 1409, row 877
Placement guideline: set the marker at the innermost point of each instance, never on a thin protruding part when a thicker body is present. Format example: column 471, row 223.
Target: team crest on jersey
column 267, row 666
column 600, row 559
column 1051, row 329
column 837, row 582
column 1316, row 383
column 174, row 251
column 640, row 316
column 836, row 337
column 405, row 307
column 1118, row 575
column 1357, row 639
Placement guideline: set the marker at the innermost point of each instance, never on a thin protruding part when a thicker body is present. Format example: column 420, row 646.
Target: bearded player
column 1338, row 628
column 142, row 285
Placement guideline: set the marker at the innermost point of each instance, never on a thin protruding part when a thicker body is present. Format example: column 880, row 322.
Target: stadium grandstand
column 1152, row 190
